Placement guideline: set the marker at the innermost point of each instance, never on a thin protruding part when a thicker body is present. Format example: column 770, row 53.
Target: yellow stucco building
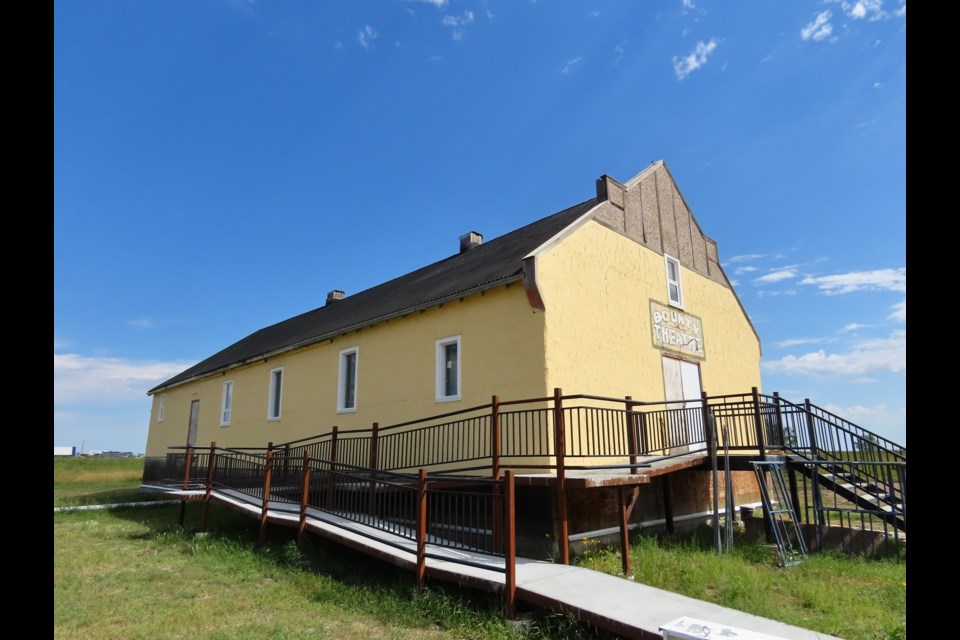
column 619, row 295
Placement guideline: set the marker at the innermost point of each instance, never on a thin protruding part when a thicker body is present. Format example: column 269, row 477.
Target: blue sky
column 220, row 165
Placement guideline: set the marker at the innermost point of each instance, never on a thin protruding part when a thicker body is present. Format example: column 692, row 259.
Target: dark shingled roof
column 482, row 267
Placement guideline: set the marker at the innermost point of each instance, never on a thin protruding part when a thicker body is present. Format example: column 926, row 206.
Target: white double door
column 681, row 385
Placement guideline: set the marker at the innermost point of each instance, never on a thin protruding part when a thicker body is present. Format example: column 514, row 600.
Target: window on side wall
column 161, row 404
column 226, row 403
column 276, row 394
column 448, row 369
column 347, row 380
column 674, row 289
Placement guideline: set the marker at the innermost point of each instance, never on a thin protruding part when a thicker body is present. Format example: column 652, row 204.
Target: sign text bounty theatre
column 674, row 330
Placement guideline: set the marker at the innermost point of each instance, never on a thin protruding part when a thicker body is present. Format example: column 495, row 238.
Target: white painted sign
column 674, row 330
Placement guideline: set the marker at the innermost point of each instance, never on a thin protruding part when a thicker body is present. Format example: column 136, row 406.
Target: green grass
column 852, row 598
column 131, row 573
column 79, row 481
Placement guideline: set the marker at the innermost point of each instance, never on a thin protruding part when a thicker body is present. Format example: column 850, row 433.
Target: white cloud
column 60, row 343
column 366, row 36
column 688, row 5
column 877, row 85
column 877, row 280
column 899, row 312
column 796, row 342
column 776, row 276
column 854, row 326
column 594, row 14
column 457, row 23
column 489, row 14
column 871, row 9
column 877, row 355
column 902, row 11
column 620, row 50
column 877, row 418
column 747, row 257
column 79, row 379
column 773, row 294
column 439, row 4
column 571, row 65
column 338, row 44
column 742, row 270
column 684, row 66
column 144, row 323
column 820, row 28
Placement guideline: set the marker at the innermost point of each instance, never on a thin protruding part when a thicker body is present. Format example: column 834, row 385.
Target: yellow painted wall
column 501, row 353
column 597, row 285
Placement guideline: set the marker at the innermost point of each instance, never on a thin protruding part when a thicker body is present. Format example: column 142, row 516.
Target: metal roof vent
column 470, row 240
column 334, row 296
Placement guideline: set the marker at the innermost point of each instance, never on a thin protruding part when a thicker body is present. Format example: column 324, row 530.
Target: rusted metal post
column 495, row 468
column 374, row 450
column 211, row 463
column 422, row 528
column 624, row 531
column 632, row 435
column 560, row 443
column 266, row 494
column 510, row 550
column 495, row 437
column 331, row 477
column 304, row 501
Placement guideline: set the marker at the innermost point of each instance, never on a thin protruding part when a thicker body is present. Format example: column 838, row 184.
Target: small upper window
column 448, row 369
column 347, row 385
column 276, row 394
column 674, row 289
column 226, row 403
column 161, row 402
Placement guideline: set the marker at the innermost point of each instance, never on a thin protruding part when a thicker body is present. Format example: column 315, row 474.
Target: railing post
column 624, row 530
column 186, row 469
column 560, row 444
column 632, row 435
column 304, row 500
column 811, row 430
column 188, row 461
column 814, row 474
column 495, row 437
column 667, row 503
column 510, row 551
column 266, row 494
column 211, row 462
column 374, row 450
column 331, row 479
column 286, row 464
column 758, row 423
column 495, row 468
column 780, row 427
column 709, row 432
column 422, row 528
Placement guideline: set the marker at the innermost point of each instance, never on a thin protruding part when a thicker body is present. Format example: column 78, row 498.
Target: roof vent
column 470, row 240
column 334, row 296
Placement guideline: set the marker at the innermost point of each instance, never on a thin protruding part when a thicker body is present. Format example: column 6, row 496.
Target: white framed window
column 276, row 394
column 161, row 404
column 448, row 369
column 347, row 380
column 226, row 403
column 674, row 288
